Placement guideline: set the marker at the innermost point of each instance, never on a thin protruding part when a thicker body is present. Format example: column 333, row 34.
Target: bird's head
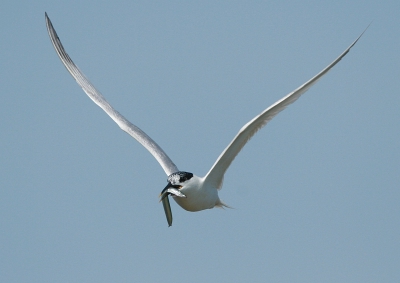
column 179, row 178
column 176, row 181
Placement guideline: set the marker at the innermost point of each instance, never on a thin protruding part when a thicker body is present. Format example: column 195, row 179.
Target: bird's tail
column 222, row 205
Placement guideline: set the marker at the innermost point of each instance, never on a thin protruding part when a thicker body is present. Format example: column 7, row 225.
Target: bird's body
column 191, row 192
column 199, row 195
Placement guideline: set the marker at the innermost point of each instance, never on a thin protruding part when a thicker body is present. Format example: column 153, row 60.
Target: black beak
column 169, row 190
column 164, row 192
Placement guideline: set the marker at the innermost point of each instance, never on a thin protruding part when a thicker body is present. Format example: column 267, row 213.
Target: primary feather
column 216, row 174
column 165, row 162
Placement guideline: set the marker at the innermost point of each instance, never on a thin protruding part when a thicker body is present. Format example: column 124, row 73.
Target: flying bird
column 191, row 192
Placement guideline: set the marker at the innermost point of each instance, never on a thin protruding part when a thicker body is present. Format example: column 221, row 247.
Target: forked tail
column 222, row 205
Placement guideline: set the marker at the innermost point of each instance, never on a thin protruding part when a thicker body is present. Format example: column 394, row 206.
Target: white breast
column 199, row 196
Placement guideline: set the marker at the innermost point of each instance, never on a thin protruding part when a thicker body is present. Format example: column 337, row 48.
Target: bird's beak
column 169, row 189
column 169, row 185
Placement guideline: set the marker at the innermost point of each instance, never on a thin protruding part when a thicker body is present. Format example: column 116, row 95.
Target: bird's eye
column 185, row 176
column 179, row 177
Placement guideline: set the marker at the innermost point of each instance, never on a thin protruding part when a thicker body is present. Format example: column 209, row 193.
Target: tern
column 191, row 192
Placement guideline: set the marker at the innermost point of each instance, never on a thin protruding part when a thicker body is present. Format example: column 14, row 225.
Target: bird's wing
column 165, row 162
column 217, row 171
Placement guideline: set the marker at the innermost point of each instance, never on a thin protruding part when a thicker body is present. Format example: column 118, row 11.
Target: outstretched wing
column 216, row 174
column 165, row 162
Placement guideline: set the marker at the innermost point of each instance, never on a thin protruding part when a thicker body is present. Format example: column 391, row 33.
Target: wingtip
column 48, row 22
column 361, row 34
column 366, row 28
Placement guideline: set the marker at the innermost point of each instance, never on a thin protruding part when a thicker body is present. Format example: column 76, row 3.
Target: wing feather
column 217, row 171
column 165, row 162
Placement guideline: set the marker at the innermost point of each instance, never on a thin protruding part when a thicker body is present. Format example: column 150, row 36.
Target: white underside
column 199, row 196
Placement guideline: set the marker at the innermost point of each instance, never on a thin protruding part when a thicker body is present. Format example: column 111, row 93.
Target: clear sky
column 316, row 192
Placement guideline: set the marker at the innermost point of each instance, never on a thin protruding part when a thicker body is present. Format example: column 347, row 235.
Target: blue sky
column 315, row 193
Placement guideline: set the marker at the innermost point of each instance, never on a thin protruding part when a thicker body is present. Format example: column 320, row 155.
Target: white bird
column 191, row 192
